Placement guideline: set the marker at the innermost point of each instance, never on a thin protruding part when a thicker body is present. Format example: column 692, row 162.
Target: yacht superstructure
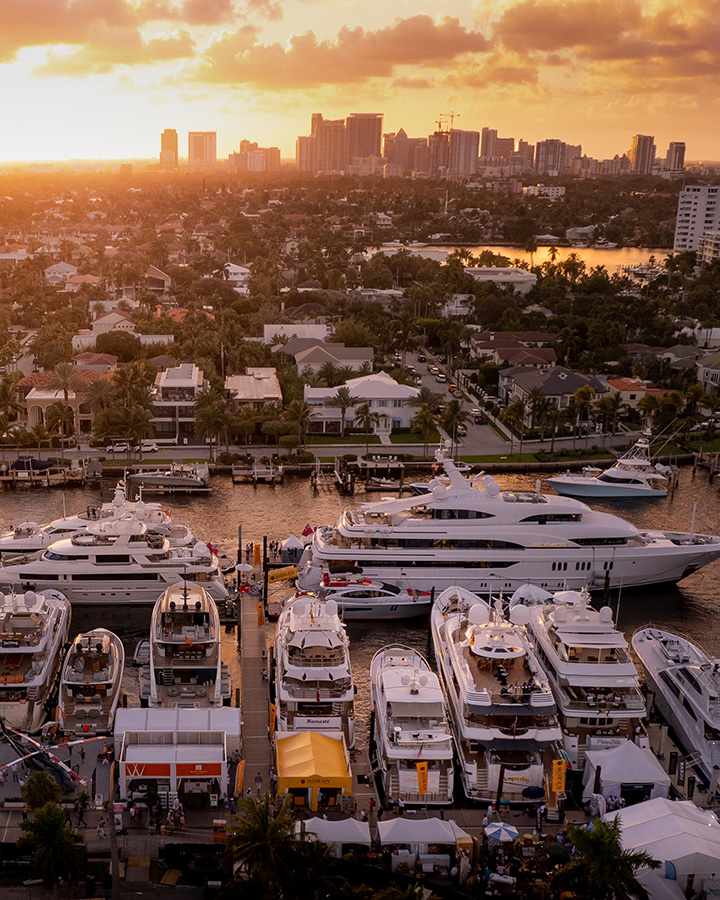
column 118, row 561
column 414, row 745
column 185, row 667
column 91, row 682
column 489, row 541
column 34, row 628
column 502, row 710
column 592, row 676
column 314, row 689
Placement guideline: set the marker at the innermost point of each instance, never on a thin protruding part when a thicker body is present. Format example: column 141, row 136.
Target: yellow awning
column 310, row 759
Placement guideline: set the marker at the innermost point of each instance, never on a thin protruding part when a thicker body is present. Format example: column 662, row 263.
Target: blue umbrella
column 501, row 831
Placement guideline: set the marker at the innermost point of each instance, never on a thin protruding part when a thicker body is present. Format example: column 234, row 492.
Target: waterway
column 692, row 607
column 613, row 260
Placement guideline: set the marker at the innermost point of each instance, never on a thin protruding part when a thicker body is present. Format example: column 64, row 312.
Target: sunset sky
column 102, row 78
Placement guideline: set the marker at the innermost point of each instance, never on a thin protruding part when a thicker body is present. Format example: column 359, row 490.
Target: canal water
column 692, row 607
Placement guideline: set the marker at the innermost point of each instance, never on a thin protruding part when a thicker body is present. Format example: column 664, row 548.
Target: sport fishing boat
column 185, row 668
column 490, row 540
column 413, row 740
column 592, row 676
column 178, row 478
column 29, row 537
column 685, row 682
column 34, row 629
column 314, row 689
column 633, row 475
column 91, row 682
column 502, row 710
column 118, row 561
column 360, row 598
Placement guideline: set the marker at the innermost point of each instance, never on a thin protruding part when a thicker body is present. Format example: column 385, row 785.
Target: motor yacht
column 91, row 683
column 412, row 736
column 502, row 710
column 28, row 537
column 185, row 668
column 118, row 561
column 592, row 676
column 633, row 475
column 490, row 541
column 178, row 478
column 685, row 682
column 360, row 598
column 314, row 688
column 34, row 629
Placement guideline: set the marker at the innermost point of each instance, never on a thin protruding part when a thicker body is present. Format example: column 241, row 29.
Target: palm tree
column 100, row 395
column 9, row 405
column 55, row 846
column 300, row 413
column 66, row 378
column 133, row 423
column 41, row 435
column 649, row 405
column 514, row 417
column 212, row 418
column 262, row 841
column 329, row 373
column 343, row 400
column 582, row 401
column 553, row 253
column 452, row 418
column 245, row 422
column 60, row 420
column 538, row 405
column 531, row 246
column 404, row 335
column 425, row 422
column 39, row 789
column 552, row 420
column 366, row 419
column 426, row 397
column 602, row 868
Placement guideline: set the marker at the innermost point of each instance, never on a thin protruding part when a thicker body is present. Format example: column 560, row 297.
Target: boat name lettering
column 11, row 642
column 551, row 544
column 523, row 779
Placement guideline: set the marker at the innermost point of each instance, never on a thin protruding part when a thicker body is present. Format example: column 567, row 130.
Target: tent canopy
column 292, row 543
column 338, row 831
column 420, row 831
column 310, row 759
column 627, row 764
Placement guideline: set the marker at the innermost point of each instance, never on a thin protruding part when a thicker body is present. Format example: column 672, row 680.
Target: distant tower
column 550, row 157
column 675, row 160
column 642, row 154
column 463, row 155
column 202, row 148
column 363, row 135
column 169, row 147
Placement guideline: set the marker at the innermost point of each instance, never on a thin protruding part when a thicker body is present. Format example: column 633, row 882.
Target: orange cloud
column 354, row 56
column 124, row 48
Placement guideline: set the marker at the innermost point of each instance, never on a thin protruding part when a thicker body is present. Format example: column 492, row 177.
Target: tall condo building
column 675, row 159
column 251, row 158
column 550, row 157
column 202, row 148
column 463, row 152
column 329, row 143
column 363, row 135
column 642, row 154
column 698, row 213
column 169, row 147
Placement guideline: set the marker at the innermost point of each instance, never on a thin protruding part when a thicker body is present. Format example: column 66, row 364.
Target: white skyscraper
column 698, row 213
column 464, row 146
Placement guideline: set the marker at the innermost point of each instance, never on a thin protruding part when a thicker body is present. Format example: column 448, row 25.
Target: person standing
column 258, row 783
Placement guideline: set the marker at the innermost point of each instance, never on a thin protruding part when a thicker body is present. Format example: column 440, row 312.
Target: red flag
column 317, row 695
column 307, row 530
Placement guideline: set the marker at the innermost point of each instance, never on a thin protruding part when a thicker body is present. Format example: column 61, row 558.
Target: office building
column 439, row 145
column 251, row 158
column 363, row 135
column 202, row 148
column 463, row 152
column 329, row 139
column 169, row 147
column 675, row 159
column 642, row 154
column 488, row 139
column 698, row 213
column 550, row 157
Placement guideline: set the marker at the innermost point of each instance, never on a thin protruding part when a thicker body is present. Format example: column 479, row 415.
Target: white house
column 297, row 329
column 385, row 396
column 508, row 278
column 238, row 277
column 256, row 388
column 59, row 272
column 173, row 397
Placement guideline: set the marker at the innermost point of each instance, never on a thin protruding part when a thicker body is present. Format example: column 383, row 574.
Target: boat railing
column 311, row 692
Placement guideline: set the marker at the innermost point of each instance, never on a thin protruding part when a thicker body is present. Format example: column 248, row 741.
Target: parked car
column 440, row 378
column 461, row 431
column 433, row 370
column 147, row 447
column 453, row 388
column 121, row 447
column 421, row 357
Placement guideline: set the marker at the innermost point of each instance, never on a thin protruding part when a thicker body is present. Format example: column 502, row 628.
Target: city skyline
column 100, row 80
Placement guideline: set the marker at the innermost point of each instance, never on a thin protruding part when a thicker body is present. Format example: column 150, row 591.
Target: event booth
column 626, row 771
column 342, row 835
column 431, row 846
column 314, row 769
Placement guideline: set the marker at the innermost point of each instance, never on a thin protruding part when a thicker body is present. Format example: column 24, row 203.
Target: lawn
column 415, row 438
column 360, row 439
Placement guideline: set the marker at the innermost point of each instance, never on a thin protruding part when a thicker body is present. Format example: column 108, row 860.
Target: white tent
column 337, row 832
column 658, row 887
column 418, row 831
column 676, row 832
column 626, row 764
column 292, row 543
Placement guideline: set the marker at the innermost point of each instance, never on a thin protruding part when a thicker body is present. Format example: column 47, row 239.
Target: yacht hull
column 110, row 593
column 592, row 488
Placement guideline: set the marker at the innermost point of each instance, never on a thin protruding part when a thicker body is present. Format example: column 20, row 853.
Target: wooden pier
column 258, row 473
column 382, row 473
column 55, row 477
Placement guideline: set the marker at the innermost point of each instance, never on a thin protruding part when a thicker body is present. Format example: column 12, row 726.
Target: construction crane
column 443, row 119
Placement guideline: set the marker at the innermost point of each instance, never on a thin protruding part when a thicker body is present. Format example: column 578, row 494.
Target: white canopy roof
column 627, row 764
column 418, row 831
column 673, row 830
column 338, row 831
column 292, row 543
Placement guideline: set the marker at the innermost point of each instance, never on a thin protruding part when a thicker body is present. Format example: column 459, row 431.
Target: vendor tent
column 676, row 832
column 418, row 831
column 312, row 767
column 626, row 770
column 338, row 832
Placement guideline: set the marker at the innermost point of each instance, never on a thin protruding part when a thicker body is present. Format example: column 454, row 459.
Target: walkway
column 256, row 746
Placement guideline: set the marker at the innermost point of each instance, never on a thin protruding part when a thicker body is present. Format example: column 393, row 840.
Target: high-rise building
column 305, row 153
column 363, row 135
column 202, row 148
column 675, row 159
column 169, row 147
column 252, row 158
column 504, row 146
column 642, row 154
column 329, row 143
column 439, row 145
column 463, row 152
column 698, row 213
column 488, row 137
column 550, row 157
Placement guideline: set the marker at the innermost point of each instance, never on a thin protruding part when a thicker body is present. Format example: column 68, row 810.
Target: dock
column 328, row 477
column 257, row 473
column 382, row 473
column 57, row 476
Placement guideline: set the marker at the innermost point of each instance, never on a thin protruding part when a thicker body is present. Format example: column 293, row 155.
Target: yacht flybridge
column 489, row 540
column 118, row 561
